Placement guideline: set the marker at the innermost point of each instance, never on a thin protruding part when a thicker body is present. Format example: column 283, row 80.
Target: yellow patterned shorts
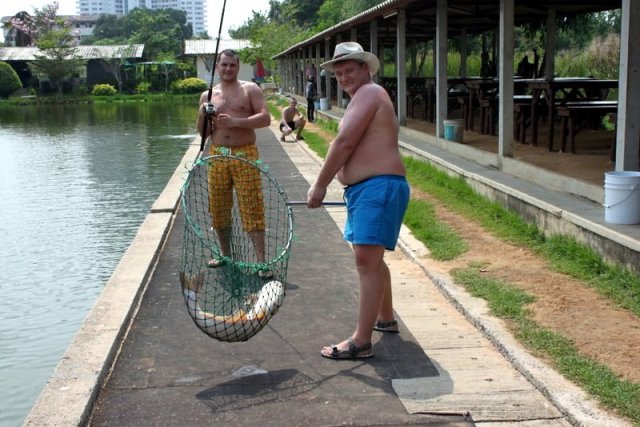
column 227, row 174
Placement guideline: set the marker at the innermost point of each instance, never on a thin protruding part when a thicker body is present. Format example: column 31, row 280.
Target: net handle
column 303, row 202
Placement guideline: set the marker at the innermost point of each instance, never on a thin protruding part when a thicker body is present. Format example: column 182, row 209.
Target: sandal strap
column 388, row 324
column 354, row 349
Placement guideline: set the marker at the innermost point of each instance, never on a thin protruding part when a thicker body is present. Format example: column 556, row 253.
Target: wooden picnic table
column 572, row 88
column 428, row 93
column 575, row 115
column 481, row 90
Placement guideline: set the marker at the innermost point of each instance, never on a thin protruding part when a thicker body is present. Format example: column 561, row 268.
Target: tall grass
column 600, row 60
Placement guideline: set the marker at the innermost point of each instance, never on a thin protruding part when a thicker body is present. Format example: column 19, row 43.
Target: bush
column 189, row 85
column 143, row 87
column 103, row 90
column 9, row 80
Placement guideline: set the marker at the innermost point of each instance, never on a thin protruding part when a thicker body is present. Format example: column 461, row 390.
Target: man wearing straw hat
column 365, row 158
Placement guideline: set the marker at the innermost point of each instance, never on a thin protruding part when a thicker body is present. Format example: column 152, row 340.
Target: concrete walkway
column 440, row 369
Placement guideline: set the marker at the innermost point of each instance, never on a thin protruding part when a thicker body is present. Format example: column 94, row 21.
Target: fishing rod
column 209, row 108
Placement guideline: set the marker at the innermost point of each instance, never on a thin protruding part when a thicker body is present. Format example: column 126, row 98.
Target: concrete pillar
column 340, row 91
column 505, row 73
column 317, row 61
column 401, row 61
column 328, row 54
column 628, row 126
column 373, row 48
column 550, row 48
column 441, row 67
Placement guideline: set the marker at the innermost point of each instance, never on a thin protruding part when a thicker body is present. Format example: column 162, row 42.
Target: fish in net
column 236, row 245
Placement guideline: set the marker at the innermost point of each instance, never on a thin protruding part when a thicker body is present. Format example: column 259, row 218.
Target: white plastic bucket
column 316, row 104
column 622, row 197
column 453, row 130
column 324, row 104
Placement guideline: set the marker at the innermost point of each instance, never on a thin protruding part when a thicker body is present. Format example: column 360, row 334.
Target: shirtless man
column 240, row 109
column 365, row 158
column 288, row 123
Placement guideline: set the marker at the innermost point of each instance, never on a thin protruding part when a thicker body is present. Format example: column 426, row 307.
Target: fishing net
column 236, row 245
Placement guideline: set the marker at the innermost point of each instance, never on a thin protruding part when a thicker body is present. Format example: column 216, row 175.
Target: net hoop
column 233, row 300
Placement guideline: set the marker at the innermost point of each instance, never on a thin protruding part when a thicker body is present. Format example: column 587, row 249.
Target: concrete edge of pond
column 78, row 376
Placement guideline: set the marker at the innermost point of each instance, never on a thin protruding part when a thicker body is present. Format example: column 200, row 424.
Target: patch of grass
column 564, row 253
column 316, row 142
column 509, row 303
column 443, row 243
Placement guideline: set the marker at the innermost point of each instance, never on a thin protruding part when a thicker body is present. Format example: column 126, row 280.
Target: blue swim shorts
column 375, row 209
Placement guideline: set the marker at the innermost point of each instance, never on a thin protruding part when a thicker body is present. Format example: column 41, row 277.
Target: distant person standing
column 525, row 68
column 311, row 94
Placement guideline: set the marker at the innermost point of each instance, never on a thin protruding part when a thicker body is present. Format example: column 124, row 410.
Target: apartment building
column 196, row 10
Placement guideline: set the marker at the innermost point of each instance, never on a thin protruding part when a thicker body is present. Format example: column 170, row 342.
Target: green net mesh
column 236, row 245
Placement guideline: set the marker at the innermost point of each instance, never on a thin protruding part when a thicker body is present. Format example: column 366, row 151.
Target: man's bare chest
column 234, row 104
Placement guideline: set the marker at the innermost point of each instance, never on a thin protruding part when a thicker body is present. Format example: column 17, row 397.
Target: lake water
column 76, row 182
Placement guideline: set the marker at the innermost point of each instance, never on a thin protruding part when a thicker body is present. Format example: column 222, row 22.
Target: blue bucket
column 453, row 130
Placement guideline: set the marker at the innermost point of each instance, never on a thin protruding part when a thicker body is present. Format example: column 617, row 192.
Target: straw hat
column 352, row 50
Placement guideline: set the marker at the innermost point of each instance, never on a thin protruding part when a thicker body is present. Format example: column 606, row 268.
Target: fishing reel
column 210, row 109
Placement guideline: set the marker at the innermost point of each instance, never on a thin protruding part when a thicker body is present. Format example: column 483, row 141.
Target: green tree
column 329, row 14
column 114, row 65
column 162, row 31
column 112, row 28
column 53, row 37
column 57, row 60
column 9, row 80
column 250, row 27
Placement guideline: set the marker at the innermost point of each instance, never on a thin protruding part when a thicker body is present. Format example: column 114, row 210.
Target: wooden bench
column 575, row 116
column 522, row 118
column 489, row 112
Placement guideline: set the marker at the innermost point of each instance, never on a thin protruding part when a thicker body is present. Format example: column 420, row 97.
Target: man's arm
column 201, row 116
column 355, row 121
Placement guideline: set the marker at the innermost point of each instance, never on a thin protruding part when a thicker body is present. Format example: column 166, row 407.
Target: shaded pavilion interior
column 384, row 26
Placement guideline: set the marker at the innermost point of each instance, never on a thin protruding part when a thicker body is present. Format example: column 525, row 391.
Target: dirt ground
column 598, row 329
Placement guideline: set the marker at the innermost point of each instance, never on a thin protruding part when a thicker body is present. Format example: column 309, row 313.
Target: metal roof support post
column 628, row 127
column 441, row 67
column 505, row 88
column 373, row 48
column 401, row 66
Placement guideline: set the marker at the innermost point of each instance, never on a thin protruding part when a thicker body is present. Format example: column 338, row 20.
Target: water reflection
column 76, row 181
